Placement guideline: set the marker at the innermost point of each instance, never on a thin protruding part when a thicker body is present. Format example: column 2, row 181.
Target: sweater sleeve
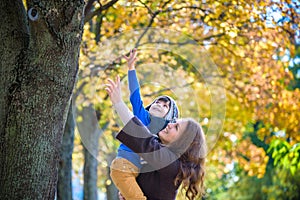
column 133, row 81
column 135, row 98
column 123, row 111
column 138, row 138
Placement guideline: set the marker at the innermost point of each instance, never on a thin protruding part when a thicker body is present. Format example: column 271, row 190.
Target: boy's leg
column 124, row 173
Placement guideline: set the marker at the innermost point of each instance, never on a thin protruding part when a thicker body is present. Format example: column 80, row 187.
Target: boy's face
column 159, row 108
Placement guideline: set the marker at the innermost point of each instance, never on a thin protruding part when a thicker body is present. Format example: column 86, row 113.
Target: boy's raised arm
column 131, row 59
column 134, row 88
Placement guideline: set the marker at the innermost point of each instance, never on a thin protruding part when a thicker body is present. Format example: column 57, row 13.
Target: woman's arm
column 139, row 139
column 114, row 91
column 123, row 111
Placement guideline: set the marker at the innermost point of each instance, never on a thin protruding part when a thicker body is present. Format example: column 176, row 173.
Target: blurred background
column 234, row 66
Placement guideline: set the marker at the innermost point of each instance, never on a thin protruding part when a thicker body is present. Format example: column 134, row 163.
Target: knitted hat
column 173, row 113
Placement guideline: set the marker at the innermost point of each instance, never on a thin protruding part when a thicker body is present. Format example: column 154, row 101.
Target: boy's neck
column 156, row 124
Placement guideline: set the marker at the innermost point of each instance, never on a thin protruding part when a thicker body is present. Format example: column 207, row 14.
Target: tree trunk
column 111, row 189
column 89, row 133
column 39, row 64
column 90, row 176
column 64, row 184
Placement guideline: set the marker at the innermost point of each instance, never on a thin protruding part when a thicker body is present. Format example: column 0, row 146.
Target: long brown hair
column 191, row 147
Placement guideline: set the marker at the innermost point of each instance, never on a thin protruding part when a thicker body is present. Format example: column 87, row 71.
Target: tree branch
column 90, row 15
column 148, row 27
column 89, row 6
column 145, row 5
column 166, row 89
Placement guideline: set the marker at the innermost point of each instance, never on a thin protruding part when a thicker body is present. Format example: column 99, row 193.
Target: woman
column 176, row 157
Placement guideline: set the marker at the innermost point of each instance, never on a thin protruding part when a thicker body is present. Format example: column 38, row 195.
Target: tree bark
column 39, row 64
column 64, row 184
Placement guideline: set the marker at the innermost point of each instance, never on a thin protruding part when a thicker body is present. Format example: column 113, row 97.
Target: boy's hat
column 173, row 113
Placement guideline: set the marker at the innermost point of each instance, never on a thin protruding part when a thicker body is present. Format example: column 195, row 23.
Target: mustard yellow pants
column 124, row 173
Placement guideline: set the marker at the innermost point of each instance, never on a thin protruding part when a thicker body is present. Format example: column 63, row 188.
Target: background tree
column 90, row 162
column 64, row 182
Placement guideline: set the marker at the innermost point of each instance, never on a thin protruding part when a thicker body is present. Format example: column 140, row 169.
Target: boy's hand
column 114, row 90
column 131, row 59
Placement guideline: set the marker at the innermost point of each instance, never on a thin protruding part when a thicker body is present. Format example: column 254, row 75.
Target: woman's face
column 172, row 132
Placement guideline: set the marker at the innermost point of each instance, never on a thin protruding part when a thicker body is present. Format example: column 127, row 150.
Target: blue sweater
column 139, row 111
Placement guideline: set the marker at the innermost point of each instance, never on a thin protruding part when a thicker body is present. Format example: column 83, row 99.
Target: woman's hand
column 131, row 59
column 114, row 90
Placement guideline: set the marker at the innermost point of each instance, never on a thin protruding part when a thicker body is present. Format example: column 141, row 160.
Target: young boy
column 126, row 166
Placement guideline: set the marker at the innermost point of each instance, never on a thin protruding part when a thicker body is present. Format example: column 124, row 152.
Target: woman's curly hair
column 192, row 149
